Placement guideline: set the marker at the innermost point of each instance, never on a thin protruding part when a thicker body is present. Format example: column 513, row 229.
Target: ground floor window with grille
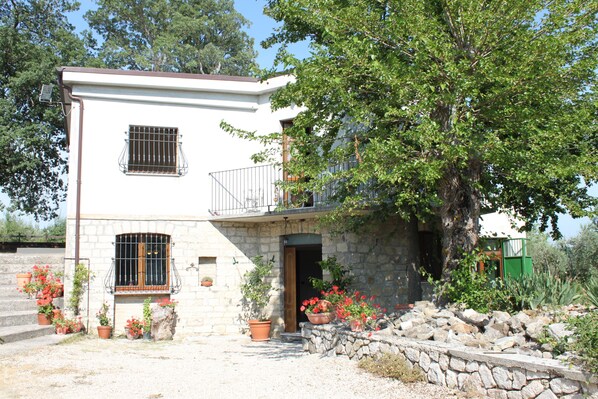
column 142, row 262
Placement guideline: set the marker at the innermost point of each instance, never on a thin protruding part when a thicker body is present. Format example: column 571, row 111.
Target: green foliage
column 582, row 251
column 542, row 289
column 35, row 38
column 193, row 36
column 585, row 342
column 13, row 228
column 590, row 290
column 392, row 366
column 256, row 287
column 340, row 274
column 102, row 314
column 80, row 280
column 546, row 257
column 473, row 289
column 559, row 346
column 438, row 111
column 147, row 314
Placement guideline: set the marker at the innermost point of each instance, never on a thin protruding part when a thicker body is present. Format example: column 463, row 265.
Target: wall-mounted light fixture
column 45, row 96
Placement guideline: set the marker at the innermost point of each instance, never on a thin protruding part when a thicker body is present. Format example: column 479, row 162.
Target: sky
column 261, row 28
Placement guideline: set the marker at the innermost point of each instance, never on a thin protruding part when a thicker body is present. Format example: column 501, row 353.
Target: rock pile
column 522, row 333
column 163, row 323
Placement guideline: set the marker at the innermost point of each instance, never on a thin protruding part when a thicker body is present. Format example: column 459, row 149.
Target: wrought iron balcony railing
column 258, row 189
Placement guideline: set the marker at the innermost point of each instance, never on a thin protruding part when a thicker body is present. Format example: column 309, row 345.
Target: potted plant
column 318, row 311
column 207, row 281
column 147, row 318
column 104, row 329
column 134, row 328
column 23, row 279
column 61, row 325
column 256, row 295
column 359, row 311
column 44, row 310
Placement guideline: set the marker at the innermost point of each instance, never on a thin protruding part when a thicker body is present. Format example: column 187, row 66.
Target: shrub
column 392, row 366
column 472, row 288
column 256, row 288
column 80, row 279
column 147, row 314
column 590, row 289
column 585, row 342
column 341, row 276
column 541, row 290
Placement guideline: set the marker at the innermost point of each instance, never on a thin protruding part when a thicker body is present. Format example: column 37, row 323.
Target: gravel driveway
column 207, row 367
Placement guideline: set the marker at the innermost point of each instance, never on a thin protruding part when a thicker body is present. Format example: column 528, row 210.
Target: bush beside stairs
column 18, row 313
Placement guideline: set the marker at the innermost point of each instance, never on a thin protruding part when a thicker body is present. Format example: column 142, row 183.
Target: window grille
column 142, row 262
column 151, row 149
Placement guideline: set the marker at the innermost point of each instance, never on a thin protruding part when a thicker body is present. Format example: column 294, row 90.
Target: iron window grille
column 142, row 262
column 153, row 150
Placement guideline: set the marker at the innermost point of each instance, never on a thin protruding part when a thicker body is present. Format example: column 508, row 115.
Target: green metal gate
column 517, row 261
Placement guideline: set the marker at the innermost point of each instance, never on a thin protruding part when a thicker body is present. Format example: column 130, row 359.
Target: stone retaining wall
column 497, row 375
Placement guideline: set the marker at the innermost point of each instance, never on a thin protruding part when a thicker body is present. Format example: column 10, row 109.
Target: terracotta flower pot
column 320, row 318
column 104, row 332
column 260, row 330
column 43, row 319
column 132, row 336
column 23, row 279
column 206, row 283
column 62, row 330
column 57, row 314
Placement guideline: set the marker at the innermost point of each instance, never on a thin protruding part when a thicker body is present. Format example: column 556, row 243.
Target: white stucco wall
column 195, row 107
column 500, row 225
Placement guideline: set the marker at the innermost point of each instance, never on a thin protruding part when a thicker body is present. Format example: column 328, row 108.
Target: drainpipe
column 79, row 164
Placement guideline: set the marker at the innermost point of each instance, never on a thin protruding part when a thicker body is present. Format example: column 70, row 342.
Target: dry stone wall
column 494, row 374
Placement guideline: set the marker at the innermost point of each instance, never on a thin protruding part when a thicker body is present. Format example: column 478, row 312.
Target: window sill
column 141, row 292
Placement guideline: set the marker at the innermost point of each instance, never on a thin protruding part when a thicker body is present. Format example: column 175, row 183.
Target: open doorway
column 300, row 263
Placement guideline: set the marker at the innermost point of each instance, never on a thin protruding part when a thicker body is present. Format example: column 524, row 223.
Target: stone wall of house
column 497, row 375
column 383, row 259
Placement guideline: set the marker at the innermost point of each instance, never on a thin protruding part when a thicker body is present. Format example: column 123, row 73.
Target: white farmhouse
column 160, row 196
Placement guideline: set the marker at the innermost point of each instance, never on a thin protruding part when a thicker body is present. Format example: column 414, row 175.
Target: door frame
column 290, row 272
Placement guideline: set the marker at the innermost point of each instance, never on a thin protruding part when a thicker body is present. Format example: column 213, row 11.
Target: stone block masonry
column 382, row 257
column 496, row 375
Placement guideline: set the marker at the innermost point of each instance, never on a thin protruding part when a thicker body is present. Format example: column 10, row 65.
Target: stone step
column 10, row 291
column 19, row 333
column 8, row 278
column 290, row 337
column 26, row 345
column 17, row 304
column 18, row 318
column 17, row 297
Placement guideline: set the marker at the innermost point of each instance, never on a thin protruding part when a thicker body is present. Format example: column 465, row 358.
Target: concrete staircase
column 18, row 313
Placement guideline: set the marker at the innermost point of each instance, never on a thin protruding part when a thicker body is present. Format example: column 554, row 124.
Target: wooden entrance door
column 290, row 289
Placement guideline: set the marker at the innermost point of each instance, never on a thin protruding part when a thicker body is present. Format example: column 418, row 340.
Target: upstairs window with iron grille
column 153, row 150
column 142, row 262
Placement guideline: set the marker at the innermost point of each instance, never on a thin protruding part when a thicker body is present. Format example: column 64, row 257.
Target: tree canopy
column 35, row 38
column 444, row 108
column 192, row 36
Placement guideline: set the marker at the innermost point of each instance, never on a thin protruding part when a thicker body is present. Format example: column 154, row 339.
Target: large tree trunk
column 459, row 214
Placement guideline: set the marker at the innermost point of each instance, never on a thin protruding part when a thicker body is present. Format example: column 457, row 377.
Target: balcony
column 257, row 191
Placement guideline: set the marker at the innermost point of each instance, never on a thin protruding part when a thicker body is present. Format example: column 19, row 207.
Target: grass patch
column 392, row 366
column 71, row 339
